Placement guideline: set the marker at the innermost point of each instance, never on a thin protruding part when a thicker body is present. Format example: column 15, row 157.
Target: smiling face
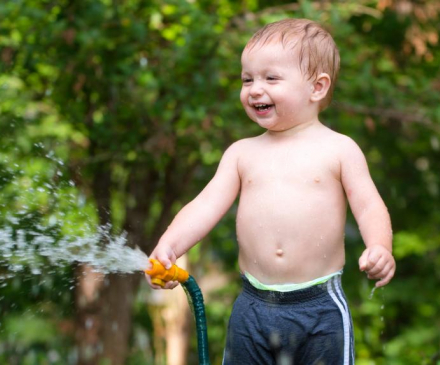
column 275, row 94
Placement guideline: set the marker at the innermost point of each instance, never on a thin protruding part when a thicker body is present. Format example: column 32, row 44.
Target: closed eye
column 246, row 80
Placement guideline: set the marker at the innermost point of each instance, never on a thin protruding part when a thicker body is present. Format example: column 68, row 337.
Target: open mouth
column 263, row 107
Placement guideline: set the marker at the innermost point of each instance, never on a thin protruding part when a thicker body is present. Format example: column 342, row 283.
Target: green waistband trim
column 289, row 287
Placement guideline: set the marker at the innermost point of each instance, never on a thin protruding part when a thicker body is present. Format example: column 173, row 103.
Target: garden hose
column 159, row 276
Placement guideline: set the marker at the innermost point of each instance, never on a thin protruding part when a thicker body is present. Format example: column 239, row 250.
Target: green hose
column 195, row 300
column 159, row 276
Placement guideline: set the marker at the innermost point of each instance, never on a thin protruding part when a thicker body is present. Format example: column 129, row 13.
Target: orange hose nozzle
column 160, row 276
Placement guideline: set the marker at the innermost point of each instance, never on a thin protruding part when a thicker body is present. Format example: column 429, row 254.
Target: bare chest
column 292, row 166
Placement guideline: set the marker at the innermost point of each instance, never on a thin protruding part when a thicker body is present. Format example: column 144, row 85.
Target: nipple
column 280, row 252
column 317, row 179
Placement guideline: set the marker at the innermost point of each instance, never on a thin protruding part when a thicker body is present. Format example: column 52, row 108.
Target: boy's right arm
column 197, row 218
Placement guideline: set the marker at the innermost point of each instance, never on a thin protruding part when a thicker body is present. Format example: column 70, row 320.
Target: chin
column 264, row 124
column 272, row 128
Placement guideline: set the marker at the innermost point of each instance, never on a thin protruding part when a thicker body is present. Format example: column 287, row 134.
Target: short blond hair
column 317, row 50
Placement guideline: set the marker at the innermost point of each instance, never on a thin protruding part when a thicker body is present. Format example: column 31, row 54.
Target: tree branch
column 403, row 116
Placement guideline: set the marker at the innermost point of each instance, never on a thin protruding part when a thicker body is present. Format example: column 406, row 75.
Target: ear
column 320, row 87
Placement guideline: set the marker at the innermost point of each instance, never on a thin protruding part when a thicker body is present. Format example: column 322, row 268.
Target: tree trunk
column 88, row 319
column 104, row 308
column 116, row 316
column 88, row 299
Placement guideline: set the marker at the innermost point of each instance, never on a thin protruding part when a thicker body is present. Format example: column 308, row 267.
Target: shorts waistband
column 289, row 297
column 289, row 286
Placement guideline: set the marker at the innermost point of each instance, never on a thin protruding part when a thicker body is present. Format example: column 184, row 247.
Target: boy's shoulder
column 243, row 144
column 241, row 148
column 345, row 148
column 343, row 141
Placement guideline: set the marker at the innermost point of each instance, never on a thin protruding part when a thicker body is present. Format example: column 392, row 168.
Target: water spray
column 159, row 276
column 38, row 249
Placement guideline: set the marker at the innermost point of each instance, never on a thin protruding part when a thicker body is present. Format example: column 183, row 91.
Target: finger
column 380, row 274
column 377, row 268
column 389, row 266
column 374, row 258
column 171, row 284
column 368, row 264
column 155, row 287
column 384, row 281
column 167, row 285
column 165, row 261
column 363, row 260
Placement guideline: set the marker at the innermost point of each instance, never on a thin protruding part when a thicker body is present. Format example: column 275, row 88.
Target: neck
column 293, row 130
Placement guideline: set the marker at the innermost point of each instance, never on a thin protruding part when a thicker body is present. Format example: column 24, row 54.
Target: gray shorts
column 301, row 327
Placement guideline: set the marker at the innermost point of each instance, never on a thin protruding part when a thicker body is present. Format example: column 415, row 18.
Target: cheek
column 243, row 96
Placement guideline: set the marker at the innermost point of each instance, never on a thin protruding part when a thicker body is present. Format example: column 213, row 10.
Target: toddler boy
column 294, row 181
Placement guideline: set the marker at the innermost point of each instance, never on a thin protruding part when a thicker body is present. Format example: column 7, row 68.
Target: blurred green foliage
column 100, row 86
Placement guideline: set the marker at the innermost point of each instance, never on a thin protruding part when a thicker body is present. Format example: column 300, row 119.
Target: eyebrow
column 267, row 70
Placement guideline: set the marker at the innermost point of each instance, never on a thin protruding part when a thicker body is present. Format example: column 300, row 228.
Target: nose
column 256, row 89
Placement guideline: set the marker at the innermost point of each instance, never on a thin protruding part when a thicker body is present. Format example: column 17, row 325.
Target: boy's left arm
column 370, row 213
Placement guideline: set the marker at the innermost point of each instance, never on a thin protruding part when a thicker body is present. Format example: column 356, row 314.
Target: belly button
column 280, row 252
column 317, row 180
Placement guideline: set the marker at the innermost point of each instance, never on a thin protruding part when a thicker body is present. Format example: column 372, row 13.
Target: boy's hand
column 166, row 256
column 378, row 263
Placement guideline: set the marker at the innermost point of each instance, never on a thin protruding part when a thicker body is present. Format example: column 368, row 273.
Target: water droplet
column 115, row 326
